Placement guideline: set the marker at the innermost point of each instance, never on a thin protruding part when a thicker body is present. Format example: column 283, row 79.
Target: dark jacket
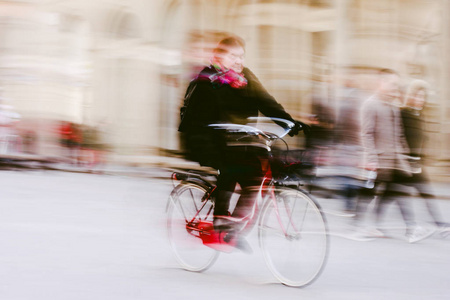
column 212, row 102
column 413, row 125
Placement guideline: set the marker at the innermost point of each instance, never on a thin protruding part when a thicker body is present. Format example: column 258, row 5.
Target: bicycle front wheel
column 188, row 214
column 293, row 236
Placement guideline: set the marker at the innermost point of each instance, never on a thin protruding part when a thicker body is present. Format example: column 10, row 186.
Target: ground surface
column 83, row 236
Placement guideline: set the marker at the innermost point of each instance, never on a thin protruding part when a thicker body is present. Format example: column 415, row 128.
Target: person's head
column 416, row 95
column 230, row 52
column 389, row 85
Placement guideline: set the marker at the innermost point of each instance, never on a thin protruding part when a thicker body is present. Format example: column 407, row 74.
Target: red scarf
column 227, row 76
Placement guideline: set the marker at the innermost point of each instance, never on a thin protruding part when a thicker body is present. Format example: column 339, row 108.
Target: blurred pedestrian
column 318, row 143
column 414, row 126
column 347, row 142
column 29, row 141
column 70, row 137
column 10, row 140
column 386, row 153
column 93, row 149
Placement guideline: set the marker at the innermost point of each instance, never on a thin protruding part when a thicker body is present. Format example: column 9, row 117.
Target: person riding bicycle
column 226, row 92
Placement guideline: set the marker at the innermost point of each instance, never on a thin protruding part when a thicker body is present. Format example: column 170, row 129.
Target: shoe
column 229, row 223
column 366, row 234
column 358, row 236
column 445, row 231
column 222, row 236
column 214, row 240
column 373, row 233
column 419, row 233
column 238, row 241
column 349, row 213
column 222, row 224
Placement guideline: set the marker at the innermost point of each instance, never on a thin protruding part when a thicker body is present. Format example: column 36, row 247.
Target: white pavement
column 84, row 236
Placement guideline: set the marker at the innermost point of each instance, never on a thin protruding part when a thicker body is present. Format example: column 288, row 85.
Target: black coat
column 414, row 129
column 211, row 103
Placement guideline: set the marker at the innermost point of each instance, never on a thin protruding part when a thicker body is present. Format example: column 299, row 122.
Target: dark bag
column 198, row 144
column 184, row 109
column 201, row 144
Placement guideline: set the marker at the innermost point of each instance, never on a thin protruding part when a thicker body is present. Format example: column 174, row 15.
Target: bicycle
column 292, row 230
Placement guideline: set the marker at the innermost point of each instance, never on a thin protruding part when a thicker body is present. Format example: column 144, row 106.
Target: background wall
column 122, row 66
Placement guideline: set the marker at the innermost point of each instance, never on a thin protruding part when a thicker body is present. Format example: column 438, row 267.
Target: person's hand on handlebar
column 300, row 126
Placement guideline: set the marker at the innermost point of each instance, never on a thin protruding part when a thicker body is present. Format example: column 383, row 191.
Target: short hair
column 229, row 42
column 414, row 87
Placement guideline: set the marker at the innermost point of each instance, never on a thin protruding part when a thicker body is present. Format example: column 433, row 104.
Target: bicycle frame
column 266, row 189
column 269, row 184
column 266, row 192
column 289, row 219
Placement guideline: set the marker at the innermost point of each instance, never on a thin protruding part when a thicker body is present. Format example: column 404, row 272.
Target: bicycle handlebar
column 251, row 129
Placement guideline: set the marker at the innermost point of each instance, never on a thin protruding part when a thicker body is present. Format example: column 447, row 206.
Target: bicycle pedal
column 205, row 226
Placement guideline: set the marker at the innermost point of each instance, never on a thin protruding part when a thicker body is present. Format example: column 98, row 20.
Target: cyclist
column 227, row 92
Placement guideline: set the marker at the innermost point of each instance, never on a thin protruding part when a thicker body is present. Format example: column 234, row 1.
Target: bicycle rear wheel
column 187, row 217
column 293, row 236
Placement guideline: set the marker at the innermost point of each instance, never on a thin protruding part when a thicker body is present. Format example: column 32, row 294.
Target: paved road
column 83, row 236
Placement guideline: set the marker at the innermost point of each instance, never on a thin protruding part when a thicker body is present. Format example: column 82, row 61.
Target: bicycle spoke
column 193, row 200
column 301, row 221
column 274, row 230
column 293, row 238
column 185, row 239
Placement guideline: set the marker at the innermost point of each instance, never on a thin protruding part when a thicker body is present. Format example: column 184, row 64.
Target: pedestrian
column 348, row 149
column 414, row 126
column 70, row 138
column 386, row 153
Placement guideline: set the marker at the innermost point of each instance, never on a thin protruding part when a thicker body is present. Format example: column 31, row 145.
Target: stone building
column 123, row 66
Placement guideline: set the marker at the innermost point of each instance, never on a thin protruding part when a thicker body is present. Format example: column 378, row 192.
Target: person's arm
column 266, row 103
column 368, row 126
column 412, row 131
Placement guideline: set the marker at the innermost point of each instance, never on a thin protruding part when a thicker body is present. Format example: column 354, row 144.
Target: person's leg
column 352, row 192
column 421, row 183
column 365, row 197
column 395, row 191
column 226, row 184
column 414, row 233
column 406, row 211
column 383, row 179
column 240, row 167
column 346, row 191
column 384, row 199
column 363, row 200
column 249, row 178
column 246, row 201
column 245, row 171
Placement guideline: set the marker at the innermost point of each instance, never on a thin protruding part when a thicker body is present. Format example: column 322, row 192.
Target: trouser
column 349, row 190
column 386, row 191
column 421, row 183
column 243, row 167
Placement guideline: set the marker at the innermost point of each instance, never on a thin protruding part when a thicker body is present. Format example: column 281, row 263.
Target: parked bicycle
column 292, row 230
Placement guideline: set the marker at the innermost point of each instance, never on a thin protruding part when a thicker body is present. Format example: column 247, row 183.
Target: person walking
column 414, row 126
column 386, row 152
column 347, row 142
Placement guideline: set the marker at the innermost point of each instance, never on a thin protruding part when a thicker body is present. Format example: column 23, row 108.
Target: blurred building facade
column 122, row 66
